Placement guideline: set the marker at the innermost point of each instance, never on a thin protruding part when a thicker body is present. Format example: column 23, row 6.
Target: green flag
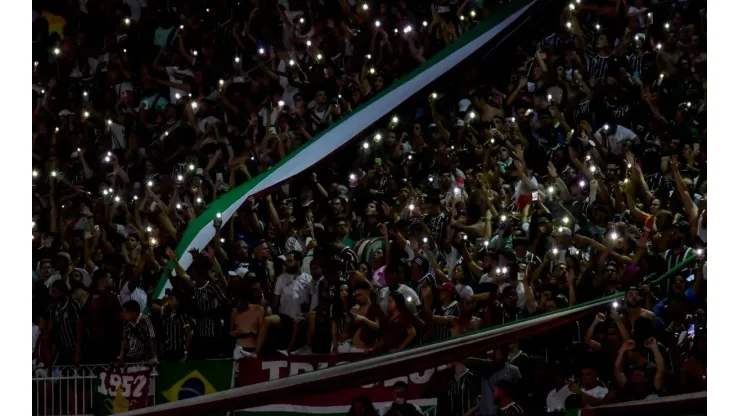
column 180, row 381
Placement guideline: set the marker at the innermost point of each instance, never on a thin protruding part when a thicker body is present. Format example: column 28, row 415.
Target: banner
column 252, row 371
column 200, row 231
column 180, row 381
column 120, row 392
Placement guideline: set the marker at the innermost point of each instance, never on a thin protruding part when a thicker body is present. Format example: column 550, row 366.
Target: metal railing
column 71, row 390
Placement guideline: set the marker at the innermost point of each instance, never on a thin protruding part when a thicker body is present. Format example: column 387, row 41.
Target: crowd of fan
column 580, row 176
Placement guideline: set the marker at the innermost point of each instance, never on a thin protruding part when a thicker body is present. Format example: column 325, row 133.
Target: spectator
column 400, row 407
column 138, row 344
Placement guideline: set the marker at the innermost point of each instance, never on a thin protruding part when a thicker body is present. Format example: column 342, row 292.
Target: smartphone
column 220, row 176
column 690, row 278
column 531, row 86
column 378, row 161
column 691, row 333
column 535, row 196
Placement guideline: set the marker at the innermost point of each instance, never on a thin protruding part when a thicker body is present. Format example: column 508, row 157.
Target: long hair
column 369, row 408
column 402, row 305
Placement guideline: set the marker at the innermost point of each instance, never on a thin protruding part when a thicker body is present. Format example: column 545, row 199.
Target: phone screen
column 535, row 196
column 692, row 331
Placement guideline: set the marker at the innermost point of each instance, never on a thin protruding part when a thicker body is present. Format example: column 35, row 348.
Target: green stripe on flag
column 199, row 232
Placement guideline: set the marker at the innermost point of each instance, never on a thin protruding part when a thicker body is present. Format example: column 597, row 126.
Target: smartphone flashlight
column 365, row 145
column 555, row 251
column 148, row 229
column 302, row 20
column 394, row 119
column 434, row 95
column 150, row 184
column 237, row 59
column 592, row 168
column 199, row 200
column 565, row 220
column 378, row 137
column 308, row 43
column 178, row 206
column 424, row 23
column 614, row 236
column 582, row 184
column 194, row 105
column 550, row 189
column 281, row 103
column 365, row 6
column 153, row 241
column 503, row 218
column 615, row 304
column 411, row 207
column 465, row 237
column 425, row 240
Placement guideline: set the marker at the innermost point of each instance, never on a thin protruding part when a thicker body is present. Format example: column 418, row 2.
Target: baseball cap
column 447, row 287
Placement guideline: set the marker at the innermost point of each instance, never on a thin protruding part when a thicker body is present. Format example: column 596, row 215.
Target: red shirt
column 396, row 331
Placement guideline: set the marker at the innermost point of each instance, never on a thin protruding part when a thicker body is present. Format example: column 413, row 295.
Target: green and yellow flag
column 180, row 381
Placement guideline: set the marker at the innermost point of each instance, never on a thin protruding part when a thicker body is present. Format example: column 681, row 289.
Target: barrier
column 71, row 391
column 200, row 232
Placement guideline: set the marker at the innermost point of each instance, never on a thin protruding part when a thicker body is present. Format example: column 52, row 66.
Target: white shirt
column 597, row 392
column 556, row 398
column 172, row 71
column 294, row 290
column 464, row 291
column 406, row 291
column 615, row 140
column 138, row 295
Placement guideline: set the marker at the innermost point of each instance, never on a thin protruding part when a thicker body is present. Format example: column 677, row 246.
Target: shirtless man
column 363, row 323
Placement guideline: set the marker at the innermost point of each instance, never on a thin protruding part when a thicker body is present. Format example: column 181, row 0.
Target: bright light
column 365, row 6
column 35, row 173
column 615, row 304
column 261, row 51
column 407, row 29
column 555, row 251
column 411, row 207
column 318, row 57
column 177, row 95
column 86, row 114
column 614, row 236
column 434, row 95
column 136, row 197
column 425, row 240
column 582, row 184
column 372, row 70
column 394, row 119
column 598, row 26
column 352, row 176
column 568, row 25
column 659, row 46
column 179, row 178
column 365, row 145
column 194, row 105
column 302, row 20
column 57, row 51
column 237, row 59
column 218, row 215
column 109, row 121
column 566, row 220
column 291, row 62
column 699, row 251
column 424, row 23
column 503, row 218
column 105, row 192
column 127, row 21
column 472, row 13
column 84, row 93
column 378, row 137
column 550, row 190
column 117, row 198
column 667, row 25
column 198, row 200
column 191, row 167
column 606, row 127
column 572, row 6
column 153, row 241
column 178, row 206
column 308, row 43
column 592, row 168
column 281, row 103
column 456, row 190
column 471, row 115
column 377, row 23
column 54, row 173
column 150, row 184
column 148, row 229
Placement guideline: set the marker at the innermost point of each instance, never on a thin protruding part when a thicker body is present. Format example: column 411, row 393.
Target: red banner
column 253, row 371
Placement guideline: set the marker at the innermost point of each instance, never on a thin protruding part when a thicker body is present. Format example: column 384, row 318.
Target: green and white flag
column 200, row 232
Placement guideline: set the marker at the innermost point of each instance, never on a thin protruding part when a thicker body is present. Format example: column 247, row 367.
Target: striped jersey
column 64, row 316
column 137, row 335
column 208, row 301
column 462, row 394
column 442, row 332
column 512, row 409
column 174, row 326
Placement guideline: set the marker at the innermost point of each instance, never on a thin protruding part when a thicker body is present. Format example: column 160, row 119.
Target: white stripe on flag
column 327, row 142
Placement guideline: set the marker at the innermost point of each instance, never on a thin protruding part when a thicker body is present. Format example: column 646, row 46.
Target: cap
column 447, row 287
column 65, row 255
column 421, row 262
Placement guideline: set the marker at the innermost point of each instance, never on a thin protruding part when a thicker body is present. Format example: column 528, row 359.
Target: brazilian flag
column 180, row 381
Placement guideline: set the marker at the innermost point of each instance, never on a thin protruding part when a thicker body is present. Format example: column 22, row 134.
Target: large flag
column 179, row 381
column 252, row 371
column 120, row 392
column 200, row 231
